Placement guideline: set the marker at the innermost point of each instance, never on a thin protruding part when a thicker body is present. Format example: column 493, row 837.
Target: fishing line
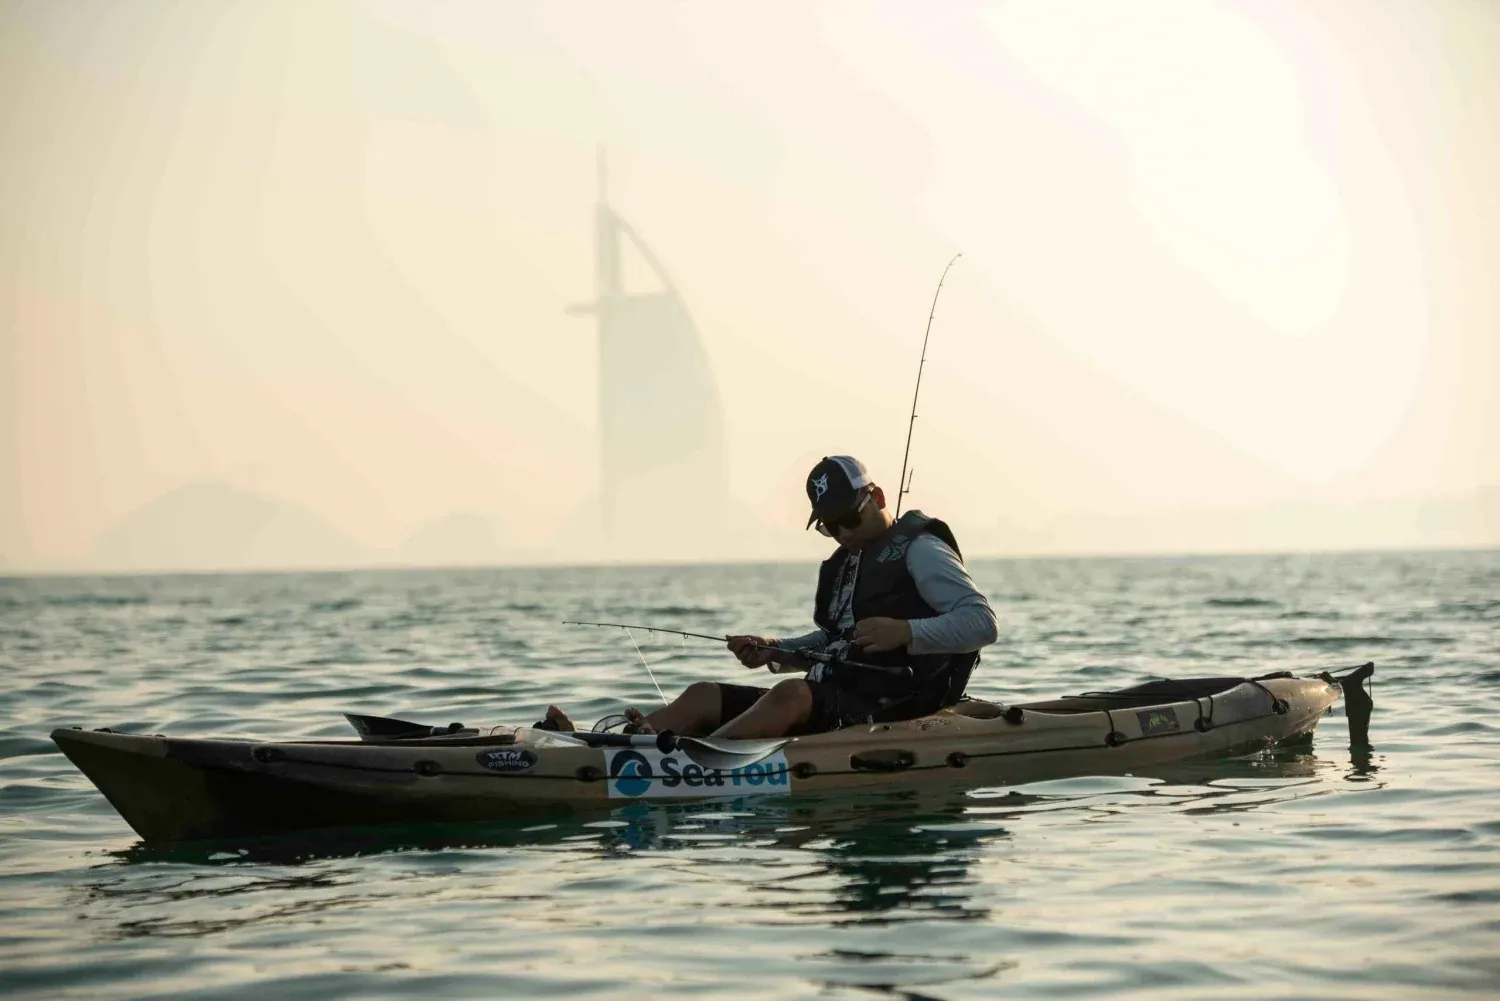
column 648, row 666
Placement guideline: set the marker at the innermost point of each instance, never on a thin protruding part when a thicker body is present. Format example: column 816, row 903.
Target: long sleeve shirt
column 964, row 619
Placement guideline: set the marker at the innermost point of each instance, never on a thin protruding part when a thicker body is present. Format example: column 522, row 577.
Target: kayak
column 179, row 788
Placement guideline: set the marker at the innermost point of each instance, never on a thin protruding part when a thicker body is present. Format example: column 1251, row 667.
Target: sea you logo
column 640, row 773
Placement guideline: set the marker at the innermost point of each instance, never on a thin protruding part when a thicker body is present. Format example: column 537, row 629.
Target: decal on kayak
column 646, row 773
column 506, row 759
column 1155, row 721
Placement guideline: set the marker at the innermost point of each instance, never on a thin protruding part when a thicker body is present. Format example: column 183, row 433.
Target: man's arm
column 790, row 663
column 965, row 621
column 783, row 660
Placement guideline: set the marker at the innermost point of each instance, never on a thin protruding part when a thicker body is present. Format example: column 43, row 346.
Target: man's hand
column 751, row 650
column 879, row 635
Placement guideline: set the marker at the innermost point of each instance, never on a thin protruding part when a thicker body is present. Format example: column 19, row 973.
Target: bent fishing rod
column 903, row 486
column 813, row 655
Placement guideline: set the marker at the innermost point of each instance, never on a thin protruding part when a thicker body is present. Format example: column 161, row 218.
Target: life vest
column 885, row 588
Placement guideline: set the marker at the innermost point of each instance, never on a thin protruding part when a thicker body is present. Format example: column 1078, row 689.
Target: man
column 895, row 595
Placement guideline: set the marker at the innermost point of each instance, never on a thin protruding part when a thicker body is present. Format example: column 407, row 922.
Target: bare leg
column 693, row 713
column 776, row 713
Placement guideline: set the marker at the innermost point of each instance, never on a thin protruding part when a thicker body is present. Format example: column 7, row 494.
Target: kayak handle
column 882, row 761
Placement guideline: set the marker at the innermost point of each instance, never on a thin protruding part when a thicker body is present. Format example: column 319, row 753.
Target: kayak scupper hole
column 427, row 766
column 957, row 759
column 589, row 773
column 804, row 769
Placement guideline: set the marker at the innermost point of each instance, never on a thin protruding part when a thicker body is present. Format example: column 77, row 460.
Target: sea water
column 1316, row 872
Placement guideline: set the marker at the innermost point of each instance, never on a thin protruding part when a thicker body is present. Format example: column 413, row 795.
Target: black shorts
column 833, row 707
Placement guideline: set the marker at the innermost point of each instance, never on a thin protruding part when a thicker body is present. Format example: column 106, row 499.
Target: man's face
column 872, row 523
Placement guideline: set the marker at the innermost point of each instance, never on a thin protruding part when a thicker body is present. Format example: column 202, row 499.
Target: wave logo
column 630, row 773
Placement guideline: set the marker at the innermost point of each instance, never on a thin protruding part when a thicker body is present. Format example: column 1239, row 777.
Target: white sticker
column 646, row 773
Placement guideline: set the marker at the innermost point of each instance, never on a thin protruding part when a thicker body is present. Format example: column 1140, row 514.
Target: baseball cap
column 834, row 485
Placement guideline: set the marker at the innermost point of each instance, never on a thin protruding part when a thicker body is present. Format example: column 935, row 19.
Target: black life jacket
column 885, row 588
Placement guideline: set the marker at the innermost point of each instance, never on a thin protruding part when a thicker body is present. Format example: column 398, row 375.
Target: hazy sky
column 1229, row 272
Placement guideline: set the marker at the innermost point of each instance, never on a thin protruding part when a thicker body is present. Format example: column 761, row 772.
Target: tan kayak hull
column 171, row 789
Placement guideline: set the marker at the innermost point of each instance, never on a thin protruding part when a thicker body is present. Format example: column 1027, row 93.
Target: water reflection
column 900, row 828
column 1362, row 764
column 893, row 858
column 895, row 973
column 872, row 860
column 869, row 859
column 845, row 893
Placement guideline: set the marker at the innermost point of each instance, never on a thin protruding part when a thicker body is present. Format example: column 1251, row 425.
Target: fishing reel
column 615, row 722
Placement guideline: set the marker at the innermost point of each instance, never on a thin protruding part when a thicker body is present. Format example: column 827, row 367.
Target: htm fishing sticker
column 506, row 759
column 646, row 773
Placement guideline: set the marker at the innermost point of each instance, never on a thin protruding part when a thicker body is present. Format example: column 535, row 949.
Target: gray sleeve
column 815, row 640
column 965, row 620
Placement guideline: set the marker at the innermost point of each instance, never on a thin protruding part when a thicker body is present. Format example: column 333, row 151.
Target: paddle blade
column 729, row 754
column 385, row 728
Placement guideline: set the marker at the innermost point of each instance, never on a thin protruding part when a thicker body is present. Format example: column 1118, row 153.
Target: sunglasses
column 849, row 519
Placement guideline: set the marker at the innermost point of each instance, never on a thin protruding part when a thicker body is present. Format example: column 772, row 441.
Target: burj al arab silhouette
column 661, row 426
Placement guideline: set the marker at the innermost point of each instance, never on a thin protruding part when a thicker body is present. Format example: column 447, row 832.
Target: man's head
column 846, row 503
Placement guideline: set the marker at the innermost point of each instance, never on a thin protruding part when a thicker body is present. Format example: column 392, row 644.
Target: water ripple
column 1205, row 879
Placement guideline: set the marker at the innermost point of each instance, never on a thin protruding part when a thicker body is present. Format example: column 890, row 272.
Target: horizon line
column 23, row 573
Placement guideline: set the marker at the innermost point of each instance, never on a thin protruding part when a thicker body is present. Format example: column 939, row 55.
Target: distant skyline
column 286, row 280
column 205, row 526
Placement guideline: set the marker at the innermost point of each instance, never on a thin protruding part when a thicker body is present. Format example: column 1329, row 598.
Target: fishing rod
column 813, row 655
column 903, row 486
column 649, row 629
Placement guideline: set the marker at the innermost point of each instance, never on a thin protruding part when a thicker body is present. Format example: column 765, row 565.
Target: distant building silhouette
column 661, row 426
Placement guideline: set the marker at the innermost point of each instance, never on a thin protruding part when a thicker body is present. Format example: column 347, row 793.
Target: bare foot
column 560, row 718
column 638, row 721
